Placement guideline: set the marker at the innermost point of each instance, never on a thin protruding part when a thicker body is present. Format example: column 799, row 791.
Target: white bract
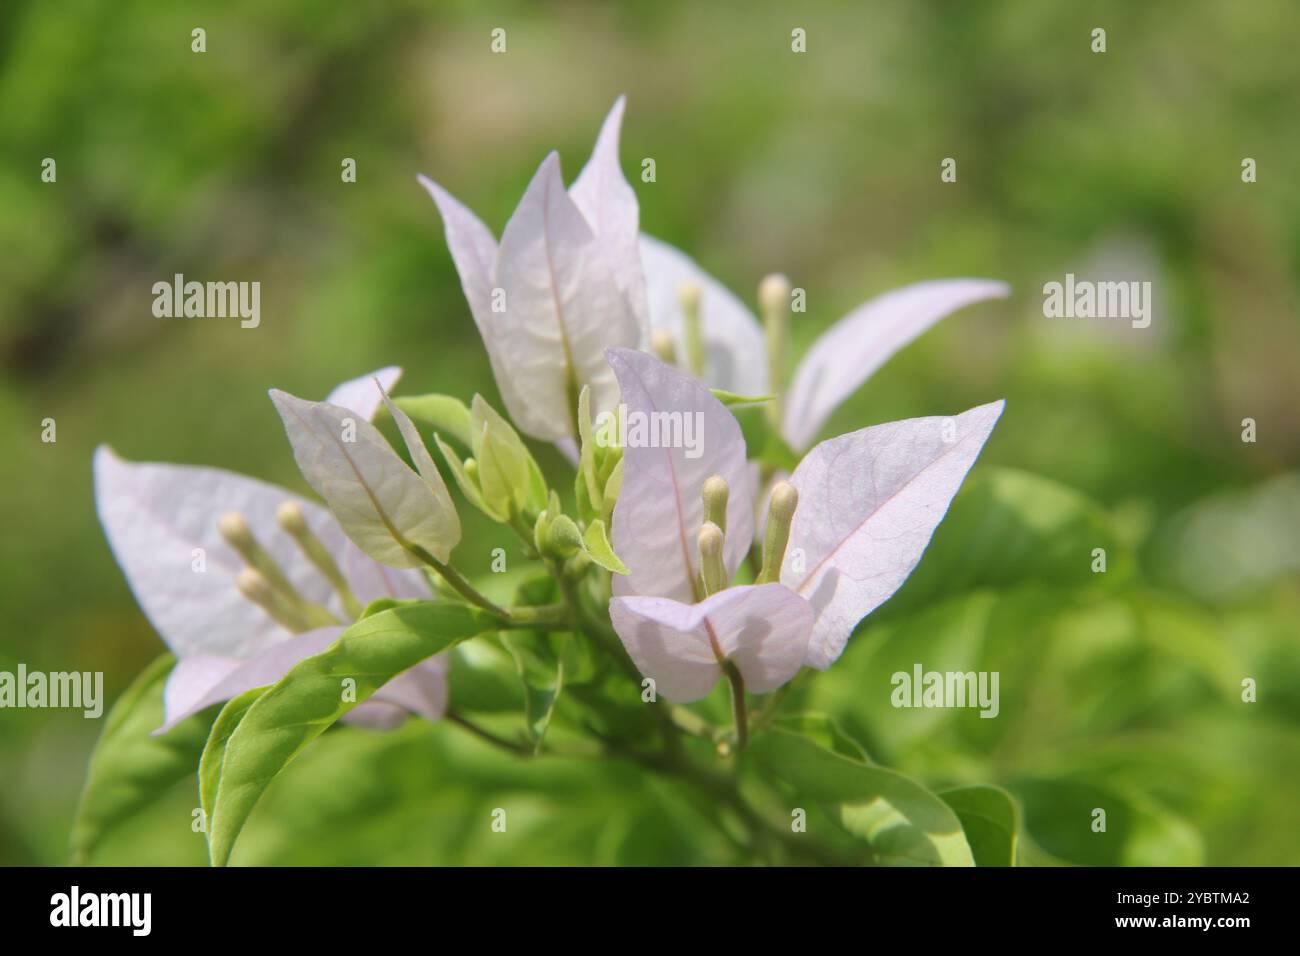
column 387, row 509
column 660, row 509
column 869, row 501
column 867, row 505
column 762, row 628
column 165, row 526
column 837, row 364
column 564, row 283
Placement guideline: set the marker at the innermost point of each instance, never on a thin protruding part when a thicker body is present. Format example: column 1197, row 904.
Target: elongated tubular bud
column 254, row 586
column 780, row 512
column 234, row 529
column 689, row 295
column 290, row 517
column 712, row 570
column 774, row 306
column 715, row 501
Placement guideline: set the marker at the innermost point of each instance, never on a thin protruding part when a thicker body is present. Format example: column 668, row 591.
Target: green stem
column 462, row 587
column 738, row 712
column 539, row 617
column 518, row 750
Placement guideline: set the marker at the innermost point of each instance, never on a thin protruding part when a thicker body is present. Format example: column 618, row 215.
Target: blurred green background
column 1120, row 689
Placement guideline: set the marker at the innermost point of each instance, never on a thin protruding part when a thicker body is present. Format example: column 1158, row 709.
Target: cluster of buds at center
column 264, row 583
column 711, row 539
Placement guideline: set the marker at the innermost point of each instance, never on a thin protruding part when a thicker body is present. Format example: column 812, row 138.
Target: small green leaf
column 509, row 478
column 600, row 550
column 765, row 443
column 542, row 679
column 442, row 413
column 902, row 821
column 731, row 399
column 612, row 488
column 990, row 819
column 310, row 698
column 468, row 485
column 129, row 768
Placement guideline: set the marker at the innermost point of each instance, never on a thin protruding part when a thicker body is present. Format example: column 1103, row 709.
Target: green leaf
column 990, row 819
column 731, row 399
column 215, row 751
column 600, row 550
column 310, row 698
column 1061, row 816
column 902, row 821
column 442, row 413
column 508, row 476
column 543, row 680
column 469, row 487
column 825, row 731
column 765, row 443
column 1010, row 528
column 129, row 768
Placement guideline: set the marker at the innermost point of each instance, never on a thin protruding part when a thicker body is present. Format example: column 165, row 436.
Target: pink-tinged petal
column 360, row 395
column 188, row 684
column 161, row 523
column 735, row 356
column 375, row 715
column 373, row 493
column 607, row 201
column 421, row 690
column 763, row 628
column 869, row 502
column 660, row 510
column 185, row 696
column 196, row 684
column 473, row 250
column 851, row 350
column 562, row 307
column 372, row 581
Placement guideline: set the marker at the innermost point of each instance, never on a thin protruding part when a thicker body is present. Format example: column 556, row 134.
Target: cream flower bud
column 774, row 304
column 290, row 517
column 715, row 495
column 774, row 294
column 712, row 571
column 234, row 529
column 661, row 344
column 780, row 512
column 688, row 296
column 254, row 586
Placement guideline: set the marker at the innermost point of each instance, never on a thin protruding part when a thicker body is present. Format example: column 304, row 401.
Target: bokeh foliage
column 1120, row 689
